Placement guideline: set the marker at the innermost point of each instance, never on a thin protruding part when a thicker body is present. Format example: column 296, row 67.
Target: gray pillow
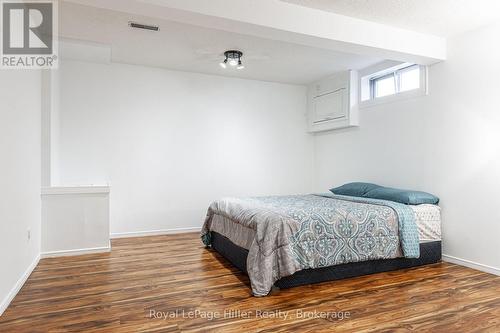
column 356, row 189
column 402, row 196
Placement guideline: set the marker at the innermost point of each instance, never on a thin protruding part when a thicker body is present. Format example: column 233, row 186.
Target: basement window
column 398, row 82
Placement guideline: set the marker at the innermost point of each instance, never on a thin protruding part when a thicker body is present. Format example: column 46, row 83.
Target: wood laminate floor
column 172, row 283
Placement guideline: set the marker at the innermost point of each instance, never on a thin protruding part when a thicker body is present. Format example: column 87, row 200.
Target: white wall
column 50, row 127
column 447, row 143
column 20, row 140
column 171, row 142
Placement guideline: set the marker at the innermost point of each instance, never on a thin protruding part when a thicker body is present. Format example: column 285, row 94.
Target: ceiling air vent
column 143, row 26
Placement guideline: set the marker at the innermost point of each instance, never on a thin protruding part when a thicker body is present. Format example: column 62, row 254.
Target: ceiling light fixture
column 233, row 59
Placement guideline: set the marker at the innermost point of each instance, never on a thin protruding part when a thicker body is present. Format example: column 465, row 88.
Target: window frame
column 397, row 74
column 387, row 69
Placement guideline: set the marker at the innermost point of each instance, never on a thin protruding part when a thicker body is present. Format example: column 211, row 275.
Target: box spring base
column 430, row 253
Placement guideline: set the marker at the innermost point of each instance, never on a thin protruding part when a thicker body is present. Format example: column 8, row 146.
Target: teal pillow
column 402, row 196
column 356, row 189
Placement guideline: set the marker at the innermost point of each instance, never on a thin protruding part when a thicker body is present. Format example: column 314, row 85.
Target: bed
column 286, row 241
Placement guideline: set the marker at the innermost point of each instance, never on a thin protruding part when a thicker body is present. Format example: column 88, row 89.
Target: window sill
column 393, row 98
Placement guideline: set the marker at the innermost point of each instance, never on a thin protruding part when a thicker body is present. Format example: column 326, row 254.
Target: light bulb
column 233, row 62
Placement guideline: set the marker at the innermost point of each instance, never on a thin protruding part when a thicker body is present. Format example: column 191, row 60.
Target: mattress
column 427, row 218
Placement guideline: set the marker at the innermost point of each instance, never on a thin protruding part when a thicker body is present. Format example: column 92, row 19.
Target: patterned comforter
column 311, row 231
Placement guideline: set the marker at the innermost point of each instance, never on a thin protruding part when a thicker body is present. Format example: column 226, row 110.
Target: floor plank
column 173, row 284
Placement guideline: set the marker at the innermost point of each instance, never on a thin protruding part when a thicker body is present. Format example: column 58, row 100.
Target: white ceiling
column 186, row 47
column 443, row 18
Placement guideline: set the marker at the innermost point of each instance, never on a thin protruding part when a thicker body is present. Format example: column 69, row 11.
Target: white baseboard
column 154, row 232
column 75, row 252
column 471, row 264
column 19, row 284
